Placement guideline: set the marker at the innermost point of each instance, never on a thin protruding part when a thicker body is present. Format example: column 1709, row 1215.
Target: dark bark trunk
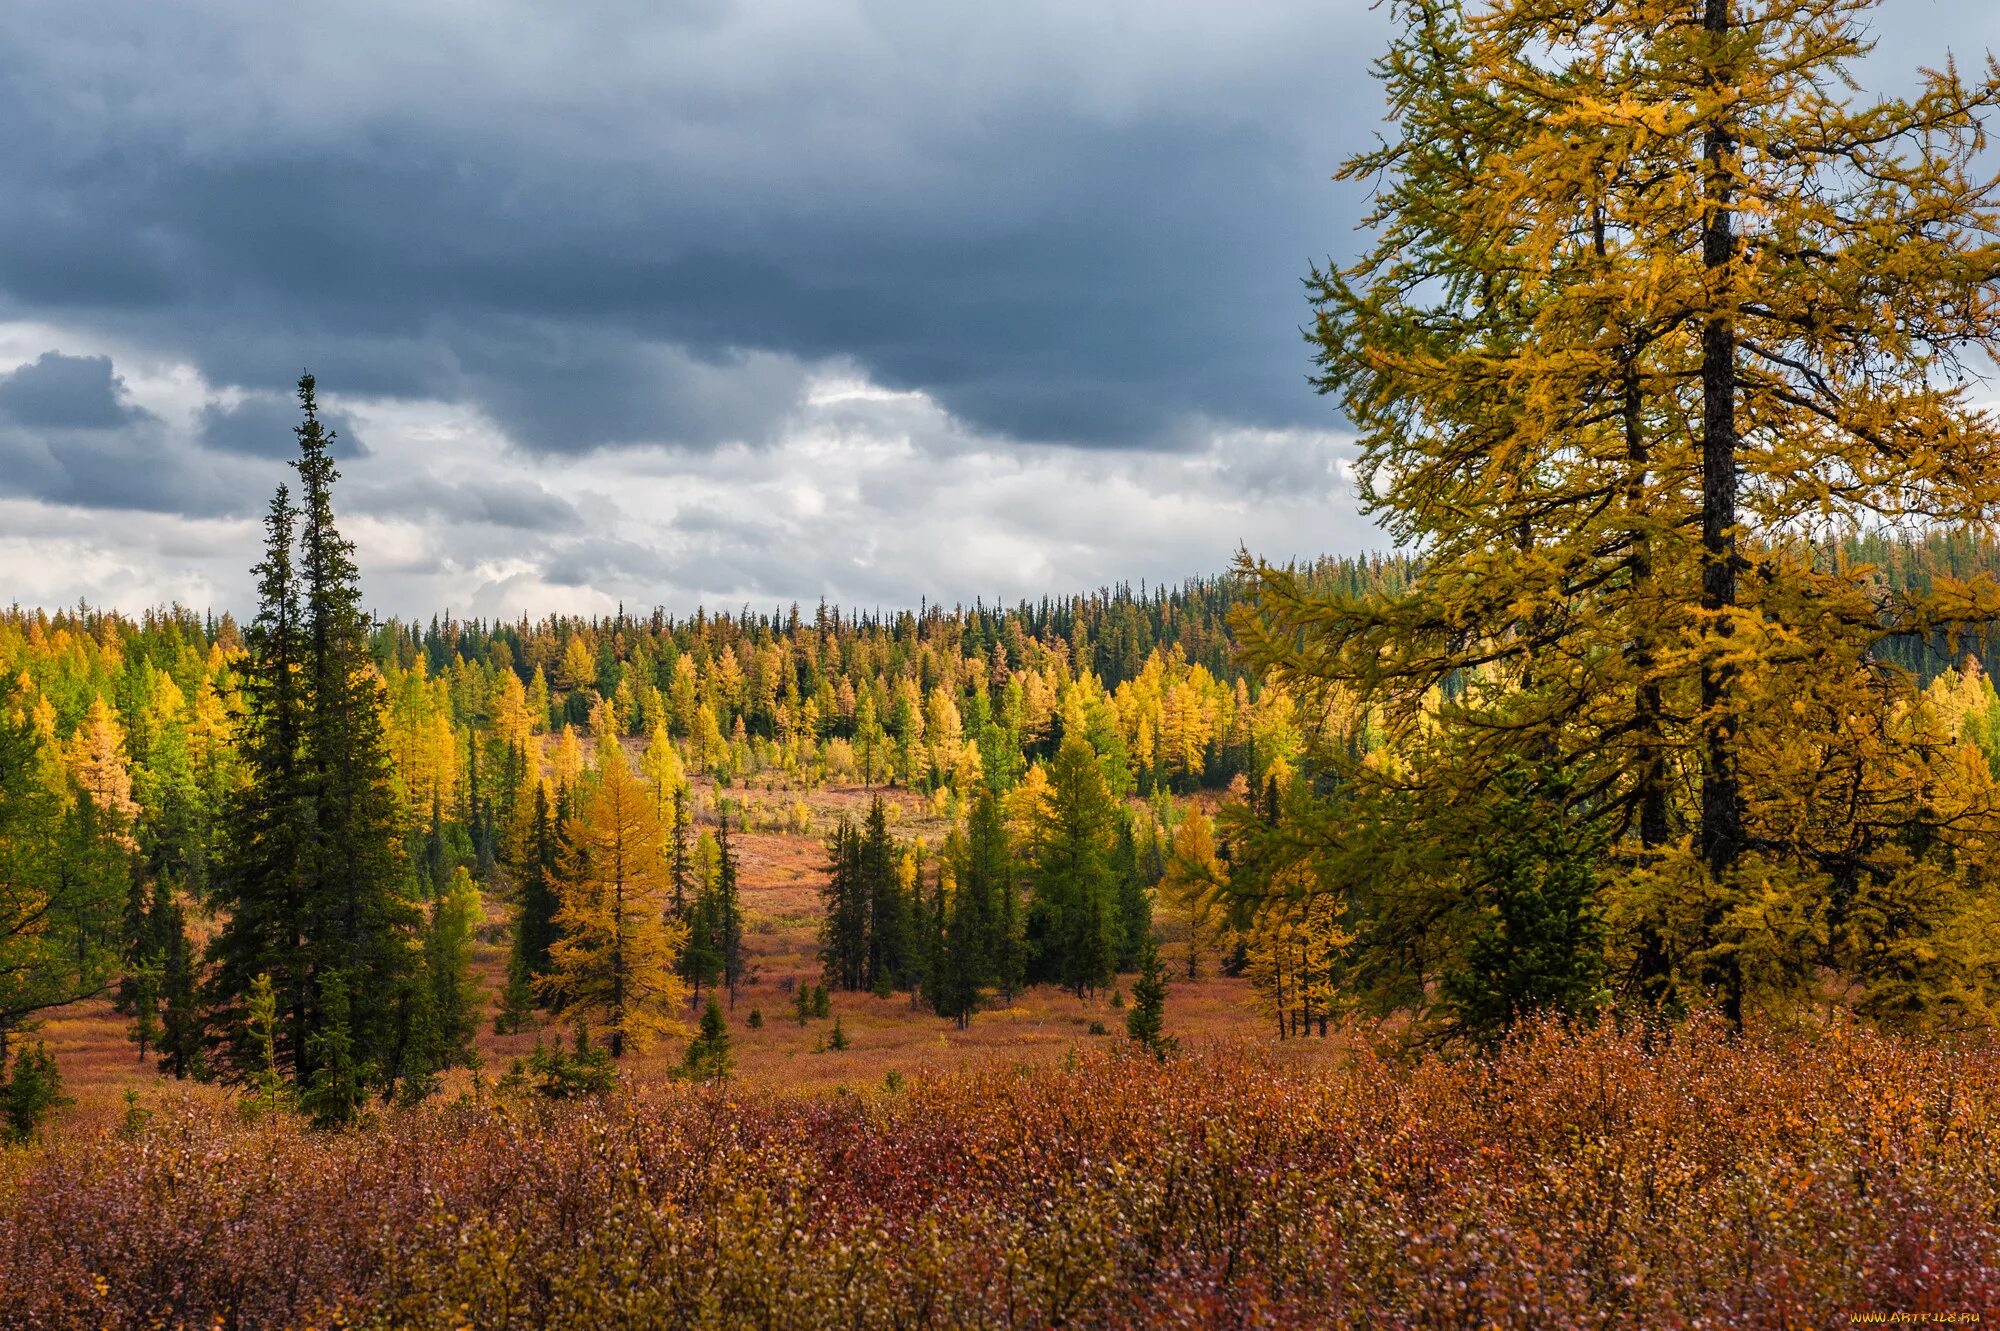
column 1721, row 796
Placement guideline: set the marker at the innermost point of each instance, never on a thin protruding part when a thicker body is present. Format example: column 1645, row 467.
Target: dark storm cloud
column 260, row 425
column 666, row 256
column 133, row 466
column 65, row 392
column 69, row 436
column 568, row 390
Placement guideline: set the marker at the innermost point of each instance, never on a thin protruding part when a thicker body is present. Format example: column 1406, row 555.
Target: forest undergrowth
column 1574, row 1179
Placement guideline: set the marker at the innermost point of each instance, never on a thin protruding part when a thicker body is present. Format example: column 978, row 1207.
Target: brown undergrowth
column 1573, row 1180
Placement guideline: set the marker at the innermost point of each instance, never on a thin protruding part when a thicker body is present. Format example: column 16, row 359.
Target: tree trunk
column 1721, row 798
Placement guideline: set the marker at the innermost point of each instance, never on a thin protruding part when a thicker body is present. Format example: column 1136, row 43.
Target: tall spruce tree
column 261, row 880
column 961, row 968
column 363, row 917
column 889, row 953
column 180, row 1038
column 1145, row 1024
column 1073, row 910
column 534, row 850
column 315, row 890
column 844, row 911
column 727, row 910
column 1134, row 903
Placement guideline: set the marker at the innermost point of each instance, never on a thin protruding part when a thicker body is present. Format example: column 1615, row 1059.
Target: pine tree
column 708, row 1057
column 888, row 945
column 29, row 1092
column 340, row 1078
column 963, row 966
column 931, row 917
column 534, row 850
column 1134, row 904
column 844, row 911
column 141, row 988
column 261, row 875
column 1146, row 1022
column 364, row 923
column 702, row 961
column 727, row 911
column 454, row 999
column 614, row 962
column 1534, row 943
column 312, row 881
column 182, row 1037
column 679, row 865
column 1069, row 867
column 986, row 875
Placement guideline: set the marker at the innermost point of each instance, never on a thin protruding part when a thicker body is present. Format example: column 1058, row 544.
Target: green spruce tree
column 708, row 1057
column 1145, row 1023
column 1072, row 916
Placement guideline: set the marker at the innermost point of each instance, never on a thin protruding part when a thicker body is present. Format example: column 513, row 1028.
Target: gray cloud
column 260, row 425
column 65, row 393
column 620, row 223
column 518, row 505
column 704, row 300
column 69, row 435
column 135, row 466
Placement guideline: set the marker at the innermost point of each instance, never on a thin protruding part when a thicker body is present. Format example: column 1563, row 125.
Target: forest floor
column 781, row 878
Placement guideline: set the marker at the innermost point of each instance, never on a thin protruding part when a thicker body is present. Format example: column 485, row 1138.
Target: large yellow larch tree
column 1658, row 310
column 615, row 949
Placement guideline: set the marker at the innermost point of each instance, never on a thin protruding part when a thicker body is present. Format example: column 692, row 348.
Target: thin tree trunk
column 1721, row 797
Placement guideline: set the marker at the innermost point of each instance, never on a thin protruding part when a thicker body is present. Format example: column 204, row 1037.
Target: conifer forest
column 1574, row 902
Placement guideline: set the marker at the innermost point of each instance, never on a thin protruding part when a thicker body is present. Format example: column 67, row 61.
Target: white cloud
column 865, row 496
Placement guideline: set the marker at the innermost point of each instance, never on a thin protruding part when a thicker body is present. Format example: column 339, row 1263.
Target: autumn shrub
column 1569, row 1180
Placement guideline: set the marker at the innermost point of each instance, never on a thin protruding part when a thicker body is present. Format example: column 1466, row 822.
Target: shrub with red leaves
column 1571, row 1180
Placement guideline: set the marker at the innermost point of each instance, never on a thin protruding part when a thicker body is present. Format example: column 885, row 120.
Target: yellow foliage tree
column 614, row 955
column 96, row 760
column 1658, row 312
column 566, row 758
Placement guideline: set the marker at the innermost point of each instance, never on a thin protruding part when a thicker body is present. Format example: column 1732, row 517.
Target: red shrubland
column 1572, row 1181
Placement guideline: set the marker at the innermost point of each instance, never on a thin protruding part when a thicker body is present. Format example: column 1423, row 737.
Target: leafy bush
column 1585, row 1179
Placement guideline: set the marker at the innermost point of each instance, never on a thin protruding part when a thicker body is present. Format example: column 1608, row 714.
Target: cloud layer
column 864, row 495
column 710, row 298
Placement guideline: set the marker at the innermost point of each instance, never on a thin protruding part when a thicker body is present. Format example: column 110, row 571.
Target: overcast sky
column 680, row 301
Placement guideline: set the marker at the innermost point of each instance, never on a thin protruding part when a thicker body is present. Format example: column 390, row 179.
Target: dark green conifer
column 363, row 923
column 1073, row 913
column 708, row 1056
column 727, row 910
column 30, row 1092
column 260, row 883
column 340, row 1078
column 889, row 952
column 1145, row 1022
column 844, row 911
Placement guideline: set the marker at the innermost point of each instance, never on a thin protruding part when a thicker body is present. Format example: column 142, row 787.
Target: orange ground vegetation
column 781, row 877
column 1571, row 1181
